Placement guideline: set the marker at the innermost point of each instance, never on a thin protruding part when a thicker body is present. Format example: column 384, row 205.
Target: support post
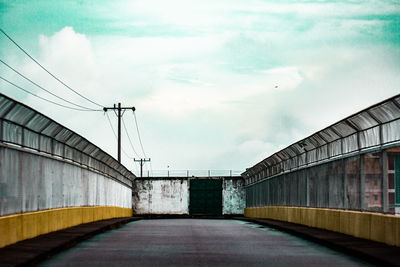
column 307, row 190
column 385, row 206
column 119, row 132
column 346, row 203
column 362, row 181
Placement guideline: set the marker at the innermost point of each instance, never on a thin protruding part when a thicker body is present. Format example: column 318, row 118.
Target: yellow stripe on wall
column 17, row 227
column 373, row 226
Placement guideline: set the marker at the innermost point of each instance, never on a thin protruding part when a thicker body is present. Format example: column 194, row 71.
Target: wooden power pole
column 142, row 162
column 120, row 113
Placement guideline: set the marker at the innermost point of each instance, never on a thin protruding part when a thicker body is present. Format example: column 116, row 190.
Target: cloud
column 216, row 84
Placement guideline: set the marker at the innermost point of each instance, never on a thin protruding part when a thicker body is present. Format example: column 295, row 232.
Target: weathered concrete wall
column 33, row 182
column 170, row 195
column 161, row 196
column 233, row 196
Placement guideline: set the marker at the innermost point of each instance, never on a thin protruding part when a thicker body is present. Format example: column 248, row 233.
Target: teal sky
column 216, row 84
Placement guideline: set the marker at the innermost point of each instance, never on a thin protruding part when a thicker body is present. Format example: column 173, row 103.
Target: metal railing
column 192, row 173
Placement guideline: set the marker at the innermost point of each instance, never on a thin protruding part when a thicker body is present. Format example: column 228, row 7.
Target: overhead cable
column 129, row 138
column 140, row 140
column 151, row 168
column 44, row 89
column 45, row 99
column 115, row 135
column 52, row 75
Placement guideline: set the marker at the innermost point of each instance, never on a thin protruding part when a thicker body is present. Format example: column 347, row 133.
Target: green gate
column 205, row 197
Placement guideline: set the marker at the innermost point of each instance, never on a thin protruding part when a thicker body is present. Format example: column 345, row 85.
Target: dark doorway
column 205, row 197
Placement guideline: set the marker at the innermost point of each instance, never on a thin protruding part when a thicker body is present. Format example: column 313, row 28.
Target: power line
column 52, row 75
column 129, row 138
column 115, row 135
column 112, row 128
column 45, row 99
column 151, row 168
column 120, row 113
column 140, row 140
column 44, row 89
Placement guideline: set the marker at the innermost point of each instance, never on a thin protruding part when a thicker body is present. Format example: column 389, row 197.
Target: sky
column 217, row 85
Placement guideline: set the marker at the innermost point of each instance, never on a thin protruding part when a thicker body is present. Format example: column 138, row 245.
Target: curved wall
column 40, row 194
column 52, row 178
column 31, row 182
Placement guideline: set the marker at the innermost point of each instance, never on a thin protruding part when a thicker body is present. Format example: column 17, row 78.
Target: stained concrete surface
column 171, row 195
column 30, row 183
column 198, row 242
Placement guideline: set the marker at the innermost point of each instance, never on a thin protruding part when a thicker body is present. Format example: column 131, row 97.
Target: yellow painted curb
column 17, row 227
column 373, row 226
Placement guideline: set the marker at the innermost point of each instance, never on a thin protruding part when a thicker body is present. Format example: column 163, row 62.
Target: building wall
column 161, row 196
column 170, row 195
column 233, row 196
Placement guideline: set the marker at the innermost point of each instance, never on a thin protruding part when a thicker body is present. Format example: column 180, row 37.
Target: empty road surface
column 198, row 242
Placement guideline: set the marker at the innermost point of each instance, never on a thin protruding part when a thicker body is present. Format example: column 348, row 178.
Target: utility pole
column 121, row 111
column 142, row 162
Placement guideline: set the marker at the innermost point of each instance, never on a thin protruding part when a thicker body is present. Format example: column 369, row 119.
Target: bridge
column 343, row 180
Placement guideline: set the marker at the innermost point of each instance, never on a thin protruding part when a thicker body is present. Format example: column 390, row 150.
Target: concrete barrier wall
column 161, row 196
column 373, row 226
column 40, row 194
column 233, row 196
column 31, row 182
column 170, row 195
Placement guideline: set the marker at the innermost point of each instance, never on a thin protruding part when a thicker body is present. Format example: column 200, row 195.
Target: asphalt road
column 198, row 242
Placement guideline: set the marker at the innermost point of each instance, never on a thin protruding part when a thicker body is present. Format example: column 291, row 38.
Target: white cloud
column 203, row 76
column 69, row 55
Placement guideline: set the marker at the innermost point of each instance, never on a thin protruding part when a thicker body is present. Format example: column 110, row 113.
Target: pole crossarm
column 142, row 162
column 119, row 115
